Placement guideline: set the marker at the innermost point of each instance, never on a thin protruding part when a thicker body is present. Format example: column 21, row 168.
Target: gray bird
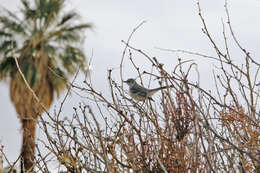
column 139, row 93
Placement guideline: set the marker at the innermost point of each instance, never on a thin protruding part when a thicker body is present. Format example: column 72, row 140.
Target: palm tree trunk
column 28, row 145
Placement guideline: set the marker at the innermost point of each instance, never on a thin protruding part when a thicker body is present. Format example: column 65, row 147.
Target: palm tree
column 45, row 41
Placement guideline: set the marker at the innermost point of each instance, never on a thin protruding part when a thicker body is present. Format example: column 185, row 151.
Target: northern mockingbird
column 139, row 93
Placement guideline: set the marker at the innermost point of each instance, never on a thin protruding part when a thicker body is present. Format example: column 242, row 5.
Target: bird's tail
column 160, row 88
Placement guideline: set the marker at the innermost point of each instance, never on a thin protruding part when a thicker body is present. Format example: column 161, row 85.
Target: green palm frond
column 29, row 13
column 7, row 46
column 72, row 59
column 11, row 25
column 68, row 17
column 6, row 66
column 42, row 9
column 79, row 27
column 51, row 50
column 5, row 34
column 48, row 10
column 58, row 79
column 11, row 15
column 69, row 34
column 30, row 72
column 25, row 4
column 66, row 37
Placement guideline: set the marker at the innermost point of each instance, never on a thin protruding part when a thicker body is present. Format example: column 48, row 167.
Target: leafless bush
column 190, row 129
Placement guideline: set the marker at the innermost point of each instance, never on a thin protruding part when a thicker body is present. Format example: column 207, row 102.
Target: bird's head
column 130, row 82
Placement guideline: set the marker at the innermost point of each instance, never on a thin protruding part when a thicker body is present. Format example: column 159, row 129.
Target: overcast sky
column 170, row 24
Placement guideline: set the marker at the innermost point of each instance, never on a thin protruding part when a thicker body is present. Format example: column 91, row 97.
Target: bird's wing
column 139, row 91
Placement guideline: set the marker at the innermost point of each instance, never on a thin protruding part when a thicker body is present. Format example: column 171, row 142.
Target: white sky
column 170, row 24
